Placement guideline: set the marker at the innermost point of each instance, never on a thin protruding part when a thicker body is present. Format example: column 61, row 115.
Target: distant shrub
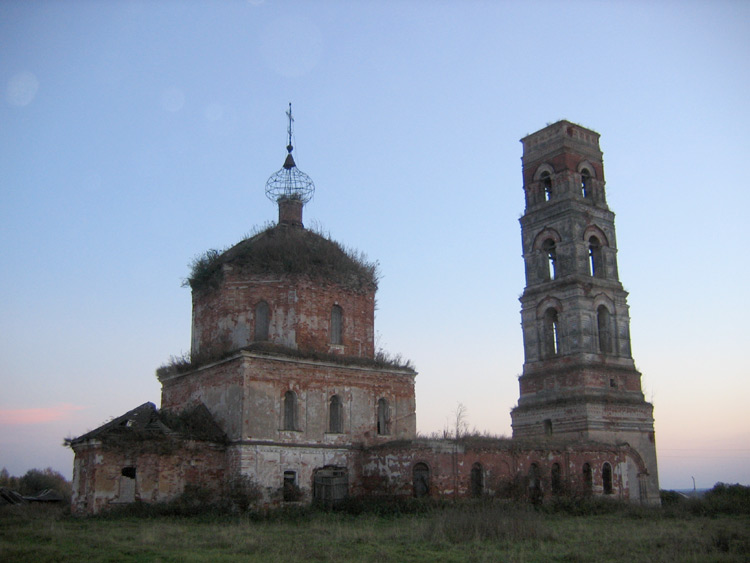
column 671, row 498
column 35, row 481
column 241, row 494
column 726, row 499
column 721, row 499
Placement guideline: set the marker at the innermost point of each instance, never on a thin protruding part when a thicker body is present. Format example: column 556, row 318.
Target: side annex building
column 283, row 387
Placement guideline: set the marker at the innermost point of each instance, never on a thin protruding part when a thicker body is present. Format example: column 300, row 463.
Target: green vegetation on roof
column 287, row 250
column 187, row 362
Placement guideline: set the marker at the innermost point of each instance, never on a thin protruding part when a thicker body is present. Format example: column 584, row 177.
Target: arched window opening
column 261, row 321
column 335, row 416
column 588, row 478
column 547, row 426
column 384, row 417
column 585, row 183
column 421, row 480
column 607, row 478
column 556, row 479
column 596, row 266
column 546, row 181
column 604, row 324
column 290, row 410
column 477, row 480
column 551, row 333
column 535, row 484
column 291, row 492
column 337, row 315
column 550, row 253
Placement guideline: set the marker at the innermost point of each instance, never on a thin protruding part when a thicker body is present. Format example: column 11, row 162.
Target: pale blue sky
column 135, row 135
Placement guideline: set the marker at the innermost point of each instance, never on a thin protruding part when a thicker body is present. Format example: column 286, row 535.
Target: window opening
column 607, row 478
column 421, row 480
column 290, row 491
column 546, row 180
column 261, row 321
column 547, row 427
column 585, row 182
column 551, row 333
column 383, row 417
column 127, row 485
column 596, row 267
column 603, row 324
column 588, row 478
column 556, row 478
column 550, row 253
column 477, row 480
column 336, row 325
column 535, row 484
column 335, row 412
column 290, row 410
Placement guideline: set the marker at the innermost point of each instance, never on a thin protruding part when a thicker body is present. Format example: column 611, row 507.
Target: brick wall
column 300, row 314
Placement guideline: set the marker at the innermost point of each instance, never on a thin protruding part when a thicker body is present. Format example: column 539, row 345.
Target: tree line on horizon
column 36, row 480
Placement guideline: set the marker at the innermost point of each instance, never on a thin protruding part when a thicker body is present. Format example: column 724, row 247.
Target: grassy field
column 463, row 532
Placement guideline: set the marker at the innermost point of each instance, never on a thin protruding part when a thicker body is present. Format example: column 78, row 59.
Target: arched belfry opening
column 574, row 311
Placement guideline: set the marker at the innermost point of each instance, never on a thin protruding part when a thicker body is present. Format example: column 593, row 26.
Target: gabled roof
column 146, row 421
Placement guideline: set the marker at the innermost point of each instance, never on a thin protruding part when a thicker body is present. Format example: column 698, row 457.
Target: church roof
column 146, row 421
column 288, row 250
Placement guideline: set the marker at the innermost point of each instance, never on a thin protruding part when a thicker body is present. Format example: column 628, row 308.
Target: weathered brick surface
column 580, row 406
column 245, row 393
column 579, row 379
column 300, row 314
column 161, row 473
column 505, row 467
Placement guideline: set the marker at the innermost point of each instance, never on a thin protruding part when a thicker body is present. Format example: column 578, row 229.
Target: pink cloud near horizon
column 13, row 417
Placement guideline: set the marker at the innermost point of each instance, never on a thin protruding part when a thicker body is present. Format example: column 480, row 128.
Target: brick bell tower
column 579, row 380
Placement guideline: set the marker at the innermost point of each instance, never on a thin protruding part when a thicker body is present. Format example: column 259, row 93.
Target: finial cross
column 289, row 129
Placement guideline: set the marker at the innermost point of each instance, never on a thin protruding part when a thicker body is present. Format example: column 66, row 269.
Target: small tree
column 460, row 420
column 7, row 480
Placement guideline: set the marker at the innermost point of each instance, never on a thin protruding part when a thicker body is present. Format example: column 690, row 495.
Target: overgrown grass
column 279, row 249
column 380, row 531
column 382, row 359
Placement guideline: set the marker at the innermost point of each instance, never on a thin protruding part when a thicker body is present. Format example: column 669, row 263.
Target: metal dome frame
column 290, row 182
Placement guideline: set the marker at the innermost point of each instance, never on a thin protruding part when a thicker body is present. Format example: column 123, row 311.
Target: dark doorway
column 421, row 476
column 477, row 480
column 330, row 485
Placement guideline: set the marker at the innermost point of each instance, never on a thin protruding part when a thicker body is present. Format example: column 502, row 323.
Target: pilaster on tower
column 579, row 380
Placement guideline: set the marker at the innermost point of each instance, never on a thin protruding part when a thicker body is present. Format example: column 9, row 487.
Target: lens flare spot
column 21, row 89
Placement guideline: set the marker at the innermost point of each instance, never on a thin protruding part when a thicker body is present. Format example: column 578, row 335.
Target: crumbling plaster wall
column 245, row 394
column 266, row 465
column 162, row 469
column 220, row 386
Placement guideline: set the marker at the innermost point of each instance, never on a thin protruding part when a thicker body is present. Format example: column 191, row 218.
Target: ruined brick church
column 284, row 388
